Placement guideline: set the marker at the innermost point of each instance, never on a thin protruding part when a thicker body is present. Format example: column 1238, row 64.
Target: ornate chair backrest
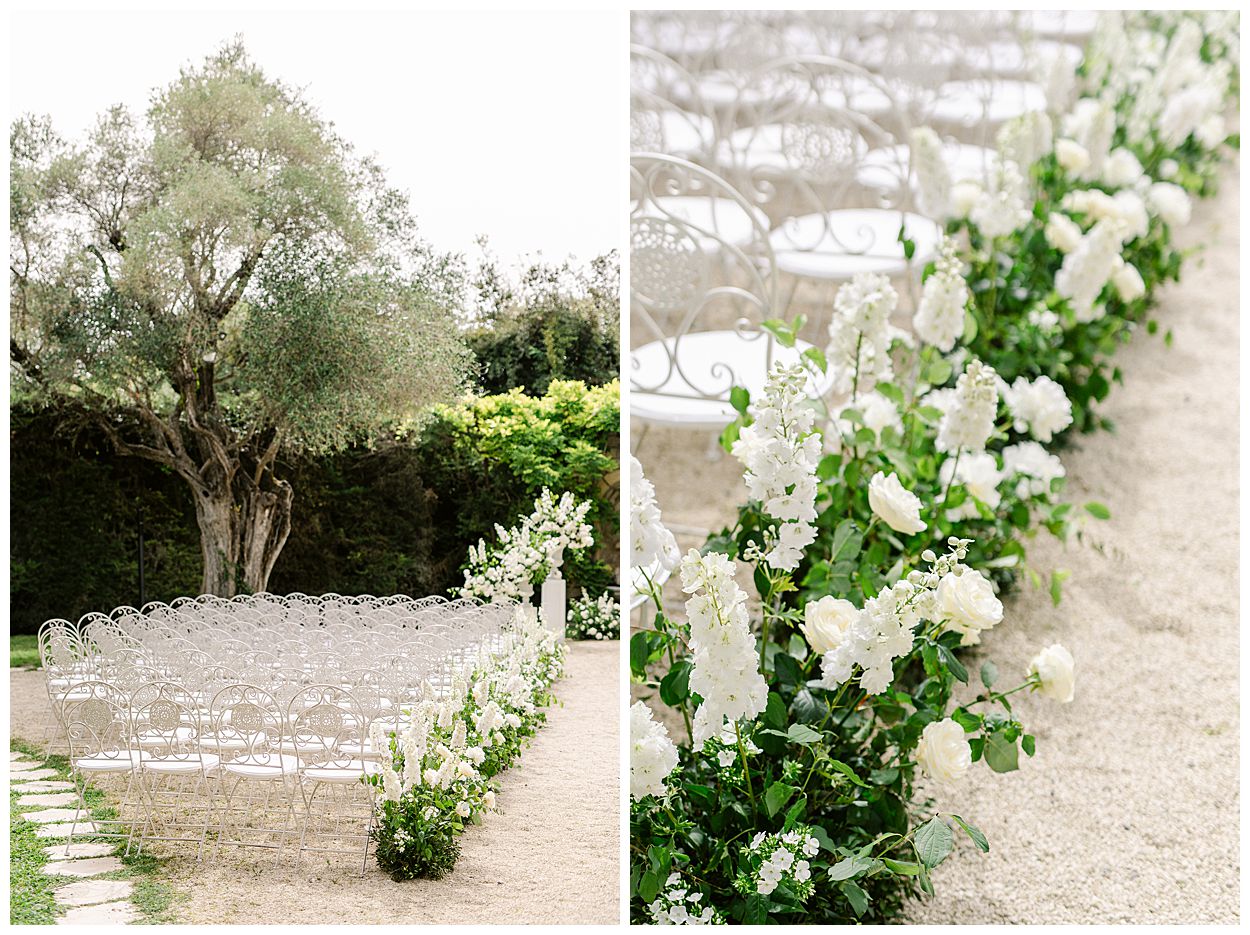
column 165, row 719
column 248, row 718
column 699, row 261
column 97, row 723
column 328, row 726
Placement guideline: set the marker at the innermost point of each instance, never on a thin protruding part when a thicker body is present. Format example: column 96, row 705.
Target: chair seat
column 712, row 361
column 979, row 101
column 263, row 766
column 181, row 763
column 160, row 739
column 840, row 244
column 353, row 772
column 113, row 761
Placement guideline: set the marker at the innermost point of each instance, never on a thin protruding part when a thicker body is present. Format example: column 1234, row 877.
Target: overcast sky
column 510, row 125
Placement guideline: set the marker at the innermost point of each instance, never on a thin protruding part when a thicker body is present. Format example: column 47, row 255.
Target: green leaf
column 648, row 886
column 806, row 708
column 817, row 357
column 775, row 711
column 1057, row 578
column 756, row 911
column 1028, row 744
column 856, row 897
column 973, row 832
column 933, row 841
column 780, row 330
column 822, row 836
column 777, row 796
column 1001, row 755
column 639, row 653
column 1097, row 510
column 957, row 668
column 740, row 398
column 989, row 672
column 802, row 734
column 849, row 867
column 902, row 867
column 675, row 687
column 848, row 772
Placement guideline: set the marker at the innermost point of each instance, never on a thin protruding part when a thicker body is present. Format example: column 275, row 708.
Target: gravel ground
column 552, row 854
column 1130, row 810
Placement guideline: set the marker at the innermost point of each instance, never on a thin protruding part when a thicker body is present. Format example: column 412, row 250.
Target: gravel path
column 1129, row 812
column 552, row 855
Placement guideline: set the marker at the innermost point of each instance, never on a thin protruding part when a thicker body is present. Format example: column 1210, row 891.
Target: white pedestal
column 555, row 605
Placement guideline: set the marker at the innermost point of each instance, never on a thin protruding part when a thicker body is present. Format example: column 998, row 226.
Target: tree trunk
column 242, row 532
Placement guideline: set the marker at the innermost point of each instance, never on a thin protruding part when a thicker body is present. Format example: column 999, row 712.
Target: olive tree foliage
column 221, row 283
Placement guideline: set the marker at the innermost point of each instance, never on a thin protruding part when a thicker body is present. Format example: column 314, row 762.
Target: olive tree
column 219, row 284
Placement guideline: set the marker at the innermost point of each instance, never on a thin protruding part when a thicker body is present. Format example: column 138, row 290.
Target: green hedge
column 397, row 518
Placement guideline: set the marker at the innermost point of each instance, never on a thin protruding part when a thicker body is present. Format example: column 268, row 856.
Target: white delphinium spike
column 943, row 305
column 652, row 755
column 969, row 419
column 858, row 353
column 1086, row 269
column 933, row 178
column 781, row 452
column 1002, row 207
column 725, row 666
column 650, row 541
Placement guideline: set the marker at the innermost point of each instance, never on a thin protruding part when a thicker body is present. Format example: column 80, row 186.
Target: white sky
column 507, row 124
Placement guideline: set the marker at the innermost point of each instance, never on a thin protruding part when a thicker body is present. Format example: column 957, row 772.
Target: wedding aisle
column 541, row 859
column 1129, row 812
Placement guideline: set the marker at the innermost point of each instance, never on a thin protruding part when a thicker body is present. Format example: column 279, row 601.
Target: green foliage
column 556, row 326
column 23, row 652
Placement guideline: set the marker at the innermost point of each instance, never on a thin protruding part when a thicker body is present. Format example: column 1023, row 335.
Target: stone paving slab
column 15, row 755
column 50, row 816
column 43, row 785
column 104, row 914
column 27, row 775
column 61, row 830
column 86, row 849
column 90, row 892
column 46, row 799
column 88, row 867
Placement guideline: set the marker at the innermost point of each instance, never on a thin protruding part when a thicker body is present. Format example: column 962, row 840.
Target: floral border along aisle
column 784, row 781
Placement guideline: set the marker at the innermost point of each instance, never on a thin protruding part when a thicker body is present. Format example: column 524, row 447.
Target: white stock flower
column 894, row 505
column 878, row 414
column 967, row 604
column 1039, row 407
column 1062, row 233
column 781, row 452
column 652, row 754
column 826, row 622
column 933, row 179
column 1091, row 124
column 650, row 541
column 1072, row 156
column 939, row 318
column 979, row 475
column 964, row 197
column 1055, row 671
column 968, row 421
column 943, row 751
column 1025, row 139
column 858, row 352
column 1121, row 168
column 1003, row 207
column 1086, row 269
column 725, row 666
column 1170, row 202
column 1128, row 283
column 1034, row 467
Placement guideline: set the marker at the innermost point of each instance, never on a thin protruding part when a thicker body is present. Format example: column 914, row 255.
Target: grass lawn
column 23, row 652
column 31, row 900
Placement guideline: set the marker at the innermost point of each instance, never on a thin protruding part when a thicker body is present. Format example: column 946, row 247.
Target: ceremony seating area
column 257, row 718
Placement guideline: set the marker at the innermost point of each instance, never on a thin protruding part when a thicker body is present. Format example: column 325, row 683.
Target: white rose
column 980, row 477
column 943, row 751
column 463, row 809
column 1055, row 673
column 1168, row 168
column 964, row 197
column 488, row 800
column 1121, row 168
column 1072, row 156
column 1062, row 233
column 826, row 622
column 896, row 506
column 968, row 604
column 1171, row 203
column 1128, row 283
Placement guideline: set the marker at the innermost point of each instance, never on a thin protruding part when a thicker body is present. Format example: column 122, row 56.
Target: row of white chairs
column 205, row 721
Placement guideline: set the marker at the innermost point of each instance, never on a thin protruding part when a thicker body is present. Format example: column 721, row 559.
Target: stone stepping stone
column 28, row 775
column 90, row 892
column 23, row 766
column 46, row 799
column 61, row 830
column 88, row 849
column 87, row 867
column 15, row 755
column 43, row 785
column 50, row 816
column 104, row 914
